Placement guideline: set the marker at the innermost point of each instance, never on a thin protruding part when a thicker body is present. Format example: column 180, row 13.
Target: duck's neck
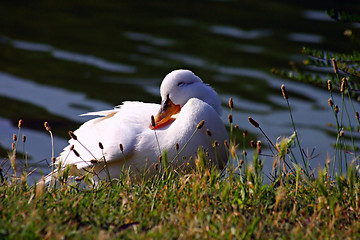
column 212, row 99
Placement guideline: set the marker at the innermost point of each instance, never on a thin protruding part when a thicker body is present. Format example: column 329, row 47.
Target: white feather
column 128, row 124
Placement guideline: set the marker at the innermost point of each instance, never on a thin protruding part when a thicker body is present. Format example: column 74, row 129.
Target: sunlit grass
column 200, row 204
column 203, row 203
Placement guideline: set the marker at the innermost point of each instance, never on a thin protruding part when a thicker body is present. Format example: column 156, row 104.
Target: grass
column 202, row 204
column 297, row 203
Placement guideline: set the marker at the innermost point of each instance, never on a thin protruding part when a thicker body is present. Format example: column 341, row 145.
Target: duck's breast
column 180, row 131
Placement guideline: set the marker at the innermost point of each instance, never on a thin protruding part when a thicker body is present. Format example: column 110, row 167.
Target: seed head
column 208, row 132
column 245, row 133
column 253, row 122
column 258, row 147
column 201, row 124
column 284, row 93
column 231, row 103
column 121, row 147
column 24, row 138
column 78, row 179
column 93, row 161
column 152, row 121
column 336, row 108
column 226, row 142
column 233, row 148
column 101, row 146
column 329, row 82
column 76, row 153
column 241, row 162
column 215, row 144
column 252, row 144
column 14, row 137
column 47, row 126
column 160, row 159
column 331, row 103
column 20, row 123
column 230, row 119
column 13, row 146
column 53, row 159
column 236, row 126
column 348, row 32
column 336, row 70
column 177, row 147
column 344, row 85
column 72, row 135
column 156, row 166
column 357, row 115
column 341, row 133
column 71, row 147
column 328, row 163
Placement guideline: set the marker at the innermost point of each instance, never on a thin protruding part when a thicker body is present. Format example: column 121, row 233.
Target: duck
column 134, row 135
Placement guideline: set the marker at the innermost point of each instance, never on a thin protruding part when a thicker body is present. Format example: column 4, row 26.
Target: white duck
column 186, row 100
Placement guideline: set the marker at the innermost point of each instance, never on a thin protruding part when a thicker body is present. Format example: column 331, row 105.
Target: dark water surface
column 59, row 59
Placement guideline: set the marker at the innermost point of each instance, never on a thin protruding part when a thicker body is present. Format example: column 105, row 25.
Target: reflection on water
column 69, row 62
column 305, row 37
column 55, row 100
column 317, row 15
column 74, row 57
column 239, row 33
column 149, row 39
column 250, row 48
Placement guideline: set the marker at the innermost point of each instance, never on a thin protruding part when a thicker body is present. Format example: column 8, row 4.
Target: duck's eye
column 180, row 84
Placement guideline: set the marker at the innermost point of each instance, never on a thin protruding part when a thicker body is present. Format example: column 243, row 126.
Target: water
column 59, row 60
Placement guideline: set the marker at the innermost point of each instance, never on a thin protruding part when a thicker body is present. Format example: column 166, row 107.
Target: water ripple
column 56, row 100
column 305, row 37
column 157, row 41
column 317, row 15
column 239, row 33
column 71, row 56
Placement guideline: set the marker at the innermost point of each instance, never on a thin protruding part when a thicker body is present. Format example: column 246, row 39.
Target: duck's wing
column 121, row 125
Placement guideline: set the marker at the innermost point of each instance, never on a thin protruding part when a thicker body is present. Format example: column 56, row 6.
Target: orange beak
column 167, row 110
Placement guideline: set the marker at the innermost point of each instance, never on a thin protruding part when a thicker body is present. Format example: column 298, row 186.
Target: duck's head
column 177, row 88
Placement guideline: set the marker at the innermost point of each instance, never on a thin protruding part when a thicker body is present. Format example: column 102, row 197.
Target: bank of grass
column 202, row 204
column 296, row 203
